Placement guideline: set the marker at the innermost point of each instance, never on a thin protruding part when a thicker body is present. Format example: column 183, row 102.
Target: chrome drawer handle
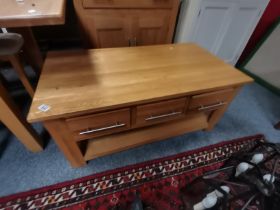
column 162, row 116
column 211, row 106
column 117, row 125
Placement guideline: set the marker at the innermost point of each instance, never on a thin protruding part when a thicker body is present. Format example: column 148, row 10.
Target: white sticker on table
column 44, row 107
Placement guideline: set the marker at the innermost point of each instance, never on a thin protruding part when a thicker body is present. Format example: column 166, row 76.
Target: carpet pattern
column 158, row 182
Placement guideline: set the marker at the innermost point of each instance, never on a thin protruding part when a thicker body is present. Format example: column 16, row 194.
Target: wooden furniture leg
column 277, row 126
column 65, row 142
column 16, row 63
column 31, row 49
column 11, row 117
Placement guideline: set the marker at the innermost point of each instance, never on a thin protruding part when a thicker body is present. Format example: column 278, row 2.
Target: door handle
column 132, row 43
column 163, row 116
column 201, row 108
column 117, row 125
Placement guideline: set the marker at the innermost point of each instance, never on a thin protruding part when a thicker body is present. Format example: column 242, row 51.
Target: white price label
column 44, row 108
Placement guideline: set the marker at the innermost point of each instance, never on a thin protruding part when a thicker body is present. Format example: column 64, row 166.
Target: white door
column 221, row 26
column 243, row 22
column 212, row 22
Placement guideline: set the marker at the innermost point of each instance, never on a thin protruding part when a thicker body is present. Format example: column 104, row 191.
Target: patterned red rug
column 157, row 181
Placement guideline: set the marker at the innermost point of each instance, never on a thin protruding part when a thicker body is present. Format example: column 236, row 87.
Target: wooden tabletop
column 21, row 13
column 81, row 81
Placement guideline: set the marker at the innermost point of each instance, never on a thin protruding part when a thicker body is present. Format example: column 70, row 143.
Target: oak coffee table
column 101, row 101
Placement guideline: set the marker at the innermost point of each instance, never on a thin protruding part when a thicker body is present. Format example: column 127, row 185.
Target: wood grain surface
column 143, row 4
column 123, row 23
column 78, row 82
column 31, row 12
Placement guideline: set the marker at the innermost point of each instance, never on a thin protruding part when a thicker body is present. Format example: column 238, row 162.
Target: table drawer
column 210, row 101
column 160, row 111
column 127, row 4
column 99, row 124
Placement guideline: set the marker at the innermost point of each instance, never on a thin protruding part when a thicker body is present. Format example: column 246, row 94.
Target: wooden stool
column 10, row 46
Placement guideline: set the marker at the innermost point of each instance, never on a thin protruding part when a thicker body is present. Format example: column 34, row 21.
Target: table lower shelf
column 129, row 139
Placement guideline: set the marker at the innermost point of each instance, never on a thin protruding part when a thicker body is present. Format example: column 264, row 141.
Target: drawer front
column 160, row 112
column 99, row 124
column 127, row 4
column 210, row 101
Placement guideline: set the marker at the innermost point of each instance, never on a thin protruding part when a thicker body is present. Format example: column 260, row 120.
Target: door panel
column 224, row 27
column 111, row 28
column 111, row 37
column 244, row 21
column 212, row 21
column 123, row 23
column 151, row 27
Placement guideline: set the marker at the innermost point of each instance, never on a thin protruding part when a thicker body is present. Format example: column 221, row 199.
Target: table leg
column 216, row 116
column 65, row 142
column 11, row 117
column 277, row 126
column 30, row 48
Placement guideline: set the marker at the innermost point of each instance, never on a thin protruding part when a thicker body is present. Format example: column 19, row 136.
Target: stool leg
column 18, row 66
column 277, row 126
column 31, row 49
column 11, row 117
